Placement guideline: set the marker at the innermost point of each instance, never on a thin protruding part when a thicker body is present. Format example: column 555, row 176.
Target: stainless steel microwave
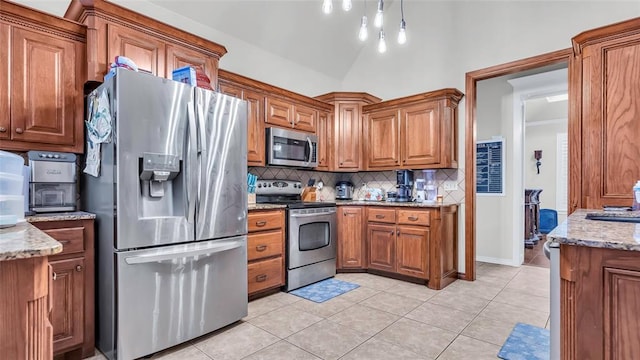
column 291, row 148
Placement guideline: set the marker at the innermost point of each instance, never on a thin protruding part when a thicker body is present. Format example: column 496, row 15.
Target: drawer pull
column 392, row 233
column 413, row 218
column 19, row 131
column 64, row 242
column 3, row 129
column 261, row 248
column 261, row 278
column 261, row 223
column 379, row 216
column 78, row 268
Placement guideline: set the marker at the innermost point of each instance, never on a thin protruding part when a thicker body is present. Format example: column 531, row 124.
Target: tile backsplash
column 385, row 180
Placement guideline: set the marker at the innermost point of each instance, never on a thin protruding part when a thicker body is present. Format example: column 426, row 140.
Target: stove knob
column 42, row 155
column 56, row 156
column 269, row 185
column 49, row 156
column 259, row 185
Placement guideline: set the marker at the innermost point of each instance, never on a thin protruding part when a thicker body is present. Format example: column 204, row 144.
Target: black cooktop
column 292, row 202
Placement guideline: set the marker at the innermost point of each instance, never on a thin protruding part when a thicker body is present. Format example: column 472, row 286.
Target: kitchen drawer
column 265, row 244
column 381, row 215
column 72, row 239
column 413, row 217
column 265, row 274
column 265, row 220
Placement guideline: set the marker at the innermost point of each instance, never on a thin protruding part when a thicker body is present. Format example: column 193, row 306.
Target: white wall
column 494, row 213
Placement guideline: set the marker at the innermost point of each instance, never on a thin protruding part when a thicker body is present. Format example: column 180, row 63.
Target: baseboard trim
column 498, row 261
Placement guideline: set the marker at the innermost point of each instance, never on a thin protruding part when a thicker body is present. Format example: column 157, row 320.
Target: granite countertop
column 73, row 215
column 577, row 230
column 394, row 203
column 26, row 241
column 266, row 206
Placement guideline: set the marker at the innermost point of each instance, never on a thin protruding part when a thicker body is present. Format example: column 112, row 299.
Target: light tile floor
column 384, row 319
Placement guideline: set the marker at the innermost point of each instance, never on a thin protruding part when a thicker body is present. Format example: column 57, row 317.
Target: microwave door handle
column 310, row 144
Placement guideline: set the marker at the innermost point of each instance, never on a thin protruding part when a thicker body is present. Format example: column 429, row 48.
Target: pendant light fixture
column 402, row 35
column 327, row 6
column 377, row 21
column 346, row 5
column 363, row 34
column 382, row 44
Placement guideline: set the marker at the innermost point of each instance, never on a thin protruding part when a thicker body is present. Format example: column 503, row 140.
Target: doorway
column 533, row 64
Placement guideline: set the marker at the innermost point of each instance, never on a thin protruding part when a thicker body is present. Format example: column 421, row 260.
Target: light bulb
column 402, row 35
column 327, row 6
column 346, row 5
column 363, row 34
column 382, row 45
column 377, row 21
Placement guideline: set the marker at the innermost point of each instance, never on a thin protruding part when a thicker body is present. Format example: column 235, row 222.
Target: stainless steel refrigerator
column 171, row 206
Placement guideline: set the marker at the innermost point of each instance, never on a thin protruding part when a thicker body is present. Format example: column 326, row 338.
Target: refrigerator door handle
column 171, row 255
column 193, row 159
column 201, row 126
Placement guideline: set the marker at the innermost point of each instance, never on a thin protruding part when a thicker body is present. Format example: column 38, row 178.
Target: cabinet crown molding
column 349, row 96
column 78, row 10
column 37, row 20
column 607, row 32
column 451, row 94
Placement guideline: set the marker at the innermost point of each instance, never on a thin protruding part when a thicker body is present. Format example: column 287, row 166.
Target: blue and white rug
column 324, row 290
column 526, row 342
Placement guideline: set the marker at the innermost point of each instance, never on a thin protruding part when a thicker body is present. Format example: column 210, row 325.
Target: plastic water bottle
column 636, row 196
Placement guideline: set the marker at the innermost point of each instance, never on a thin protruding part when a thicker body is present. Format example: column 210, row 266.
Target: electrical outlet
column 450, row 186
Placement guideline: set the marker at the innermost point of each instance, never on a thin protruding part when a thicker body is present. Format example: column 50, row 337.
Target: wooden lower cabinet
column 415, row 242
column 265, row 250
column 351, row 247
column 72, row 287
column 599, row 299
column 382, row 247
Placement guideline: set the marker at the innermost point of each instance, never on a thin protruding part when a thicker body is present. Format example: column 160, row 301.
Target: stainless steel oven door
column 312, row 236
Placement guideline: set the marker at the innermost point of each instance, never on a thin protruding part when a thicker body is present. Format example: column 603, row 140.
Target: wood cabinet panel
column 305, row 118
column 265, row 244
column 413, row 217
column 412, row 249
column 381, row 215
column 255, row 128
column 382, row 247
column 67, row 315
column 72, row 239
column 265, row 274
column 622, row 298
column 383, row 147
column 5, row 75
column 147, row 52
column 279, row 112
column 323, row 130
column 178, row 56
column 230, row 90
column 265, row 220
column 347, row 136
column 351, row 244
column 421, row 134
column 43, row 88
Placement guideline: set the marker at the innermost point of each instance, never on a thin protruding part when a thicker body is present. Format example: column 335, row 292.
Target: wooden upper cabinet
column 351, row 243
column 605, row 116
column 347, row 137
column 231, row 90
column 383, row 141
column 42, row 64
column 421, row 134
column 255, row 128
column 5, row 74
column 414, row 132
column 179, row 56
column 147, row 52
column 304, row 118
column 323, row 129
column 279, row 112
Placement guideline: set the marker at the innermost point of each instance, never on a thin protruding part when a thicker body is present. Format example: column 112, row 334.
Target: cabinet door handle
column 261, row 248
column 413, row 218
column 398, row 232
column 78, row 268
column 261, row 223
column 391, row 233
column 54, row 275
column 3, row 129
column 379, row 216
column 19, row 131
column 261, row 278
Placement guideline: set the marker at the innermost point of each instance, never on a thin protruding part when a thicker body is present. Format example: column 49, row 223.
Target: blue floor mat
column 324, row 290
column 526, row 342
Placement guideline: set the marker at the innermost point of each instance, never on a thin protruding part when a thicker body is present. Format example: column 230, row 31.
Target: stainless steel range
column 311, row 232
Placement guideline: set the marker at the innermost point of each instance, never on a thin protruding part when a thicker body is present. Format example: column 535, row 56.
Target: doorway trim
column 471, row 81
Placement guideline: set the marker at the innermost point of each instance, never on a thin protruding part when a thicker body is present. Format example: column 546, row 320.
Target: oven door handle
column 312, row 215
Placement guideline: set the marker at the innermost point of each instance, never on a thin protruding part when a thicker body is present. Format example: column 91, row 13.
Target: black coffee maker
column 404, row 183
